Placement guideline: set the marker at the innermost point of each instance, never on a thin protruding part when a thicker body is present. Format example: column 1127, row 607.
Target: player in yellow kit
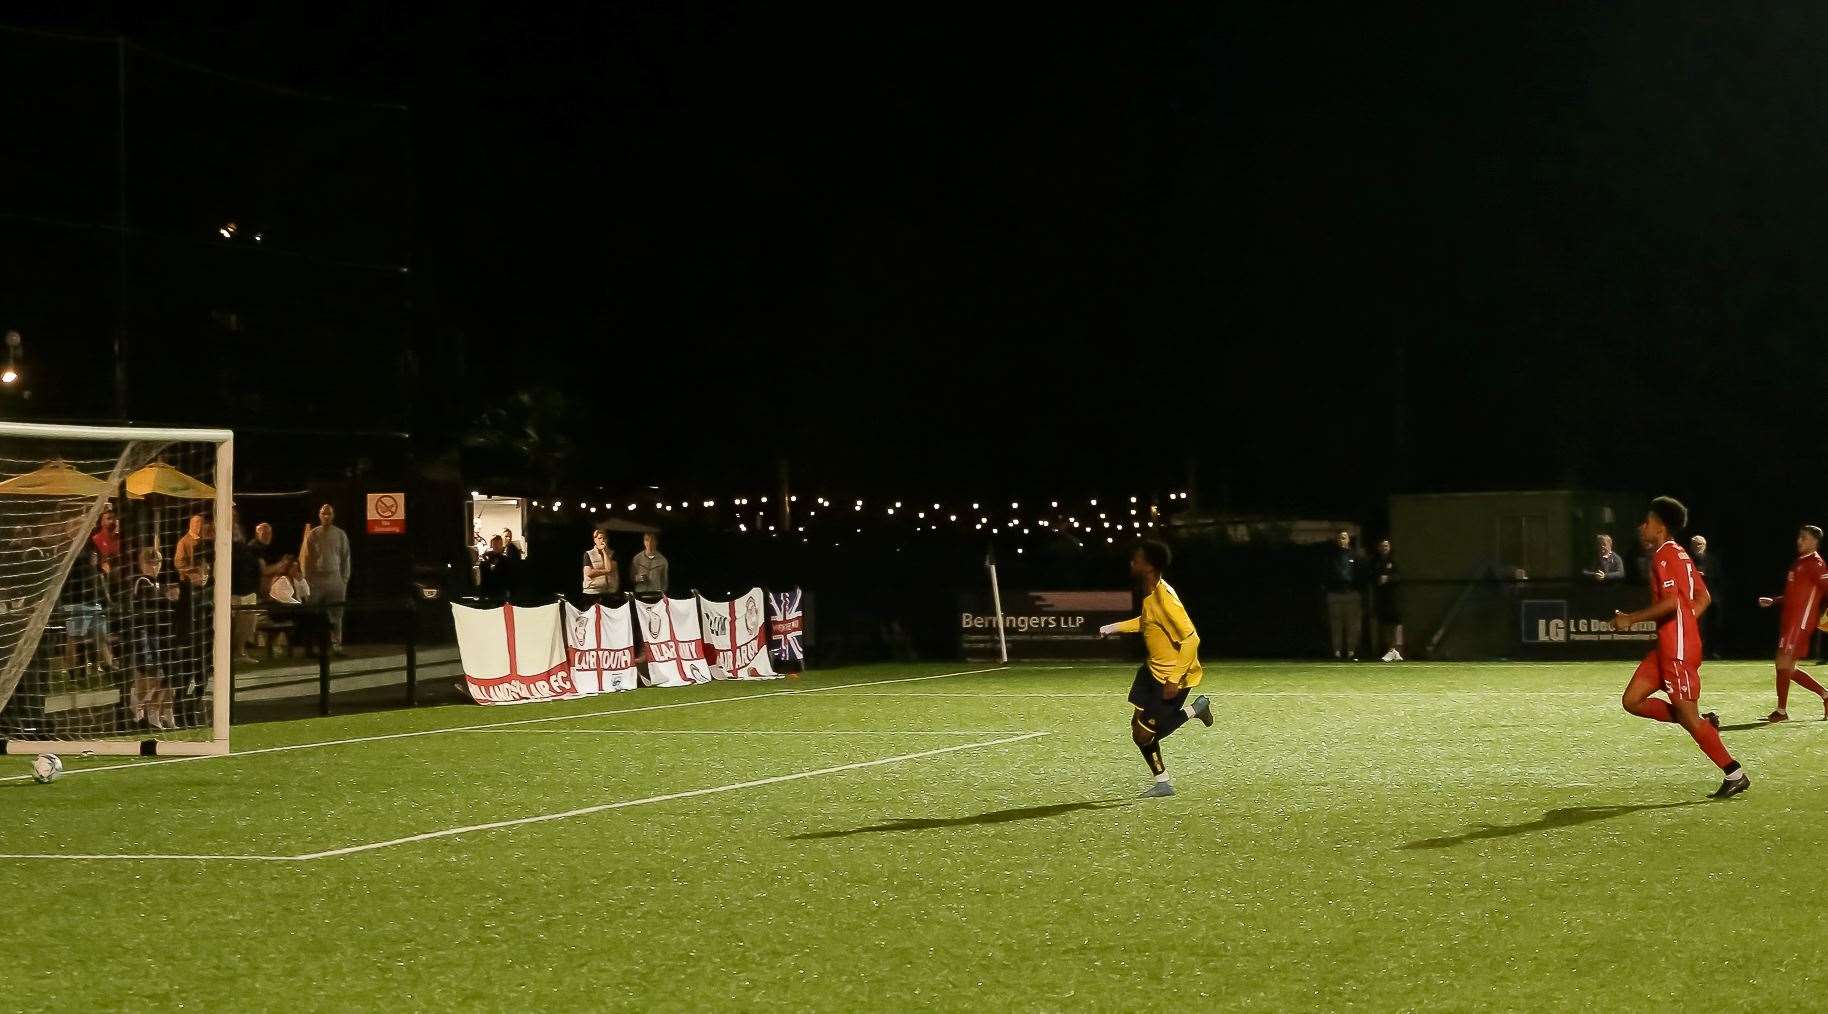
column 1159, row 693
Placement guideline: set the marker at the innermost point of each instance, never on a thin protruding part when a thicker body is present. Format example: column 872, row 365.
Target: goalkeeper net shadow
column 115, row 547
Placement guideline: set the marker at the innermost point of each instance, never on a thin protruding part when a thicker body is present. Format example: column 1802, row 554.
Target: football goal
column 114, row 589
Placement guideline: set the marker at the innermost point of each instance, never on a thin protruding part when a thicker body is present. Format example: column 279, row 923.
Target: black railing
column 365, row 622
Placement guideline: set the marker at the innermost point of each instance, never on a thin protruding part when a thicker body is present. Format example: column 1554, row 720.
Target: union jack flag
column 786, row 626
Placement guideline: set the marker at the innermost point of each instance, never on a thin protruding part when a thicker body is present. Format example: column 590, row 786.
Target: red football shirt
column 1673, row 575
column 1802, row 594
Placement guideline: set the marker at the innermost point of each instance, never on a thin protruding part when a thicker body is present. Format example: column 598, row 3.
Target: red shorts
column 1794, row 642
column 1679, row 679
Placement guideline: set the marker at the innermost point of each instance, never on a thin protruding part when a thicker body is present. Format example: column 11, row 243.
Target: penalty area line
column 140, row 765
column 582, row 811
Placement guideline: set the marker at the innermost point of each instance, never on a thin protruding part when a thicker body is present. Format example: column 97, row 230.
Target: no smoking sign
column 386, row 513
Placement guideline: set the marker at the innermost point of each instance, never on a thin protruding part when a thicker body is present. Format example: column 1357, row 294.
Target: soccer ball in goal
column 46, row 767
column 114, row 598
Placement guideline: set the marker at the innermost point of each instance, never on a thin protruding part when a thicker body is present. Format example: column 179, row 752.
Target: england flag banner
column 513, row 654
column 601, row 641
column 786, row 630
column 735, row 633
column 674, row 647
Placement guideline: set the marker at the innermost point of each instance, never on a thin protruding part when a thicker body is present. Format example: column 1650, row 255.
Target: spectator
column 509, row 547
column 1345, row 604
column 325, row 555
column 150, row 697
column 244, row 591
column 493, row 570
column 649, row 571
column 273, row 560
column 1609, row 566
column 83, row 607
column 1384, row 605
column 1710, row 572
column 600, row 576
column 191, row 558
column 290, row 588
column 107, row 539
column 1697, row 552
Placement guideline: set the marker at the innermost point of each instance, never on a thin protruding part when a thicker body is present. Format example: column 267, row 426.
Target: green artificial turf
column 1346, row 837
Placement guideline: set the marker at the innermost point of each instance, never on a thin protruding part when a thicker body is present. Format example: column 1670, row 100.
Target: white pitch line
column 581, row 811
column 131, row 766
column 586, row 810
column 742, row 732
column 154, row 856
column 1219, row 695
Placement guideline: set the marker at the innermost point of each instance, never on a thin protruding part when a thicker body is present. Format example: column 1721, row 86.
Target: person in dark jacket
column 1608, row 565
column 1345, row 602
column 82, row 606
column 496, row 570
column 151, row 604
column 244, row 592
column 1709, row 567
column 1389, row 627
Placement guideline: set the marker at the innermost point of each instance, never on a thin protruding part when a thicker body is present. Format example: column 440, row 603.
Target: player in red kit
column 1804, row 591
column 1678, row 598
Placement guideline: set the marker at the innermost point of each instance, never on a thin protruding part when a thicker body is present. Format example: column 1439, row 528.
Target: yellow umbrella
column 165, row 480
column 56, row 478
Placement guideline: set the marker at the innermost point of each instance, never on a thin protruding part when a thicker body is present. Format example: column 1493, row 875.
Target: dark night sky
column 1328, row 252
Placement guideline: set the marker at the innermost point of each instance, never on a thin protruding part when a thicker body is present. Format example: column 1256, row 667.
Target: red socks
column 1800, row 678
column 1708, row 738
column 1803, row 680
column 1654, row 708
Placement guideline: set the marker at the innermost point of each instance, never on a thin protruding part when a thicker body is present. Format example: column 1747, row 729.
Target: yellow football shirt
column 1168, row 634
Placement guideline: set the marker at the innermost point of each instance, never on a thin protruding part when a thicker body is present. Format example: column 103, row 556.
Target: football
column 45, row 768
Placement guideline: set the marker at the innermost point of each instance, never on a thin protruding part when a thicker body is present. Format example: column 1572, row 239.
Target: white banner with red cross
column 672, row 643
column 601, row 640
column 513, row 654
column 736, row 635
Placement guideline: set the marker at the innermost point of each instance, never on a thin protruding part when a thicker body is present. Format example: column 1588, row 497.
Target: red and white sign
column 602, row 645
column 736, row 636
column 513, row 655
column 387, row 513
column 674, row 647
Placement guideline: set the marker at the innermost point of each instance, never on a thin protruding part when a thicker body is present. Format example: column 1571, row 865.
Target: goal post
column 116, row 550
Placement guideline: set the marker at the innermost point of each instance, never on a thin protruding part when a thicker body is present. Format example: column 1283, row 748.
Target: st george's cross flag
column 735, row 636
column 513, row 654
column 601, row 641
column 671, row 640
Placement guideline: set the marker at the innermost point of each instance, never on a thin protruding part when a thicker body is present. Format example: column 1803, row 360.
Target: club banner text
column 1047, row 624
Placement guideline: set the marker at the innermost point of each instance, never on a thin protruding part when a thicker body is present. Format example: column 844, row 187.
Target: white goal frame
column 222, row 632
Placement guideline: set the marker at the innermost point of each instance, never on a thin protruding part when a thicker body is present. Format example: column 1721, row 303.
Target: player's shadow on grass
column 1566, row 816
column 993, row 817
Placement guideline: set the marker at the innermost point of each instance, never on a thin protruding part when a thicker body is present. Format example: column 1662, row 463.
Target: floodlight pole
column 784, row 494
column 996, row 602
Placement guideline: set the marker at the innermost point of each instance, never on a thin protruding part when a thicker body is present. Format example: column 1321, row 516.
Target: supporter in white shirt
column 290, row 587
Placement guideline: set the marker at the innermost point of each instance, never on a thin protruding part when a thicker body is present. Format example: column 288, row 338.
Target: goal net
column 115, row 547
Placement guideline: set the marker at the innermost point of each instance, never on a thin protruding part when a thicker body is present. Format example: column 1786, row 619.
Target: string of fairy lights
column 1087, row 520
